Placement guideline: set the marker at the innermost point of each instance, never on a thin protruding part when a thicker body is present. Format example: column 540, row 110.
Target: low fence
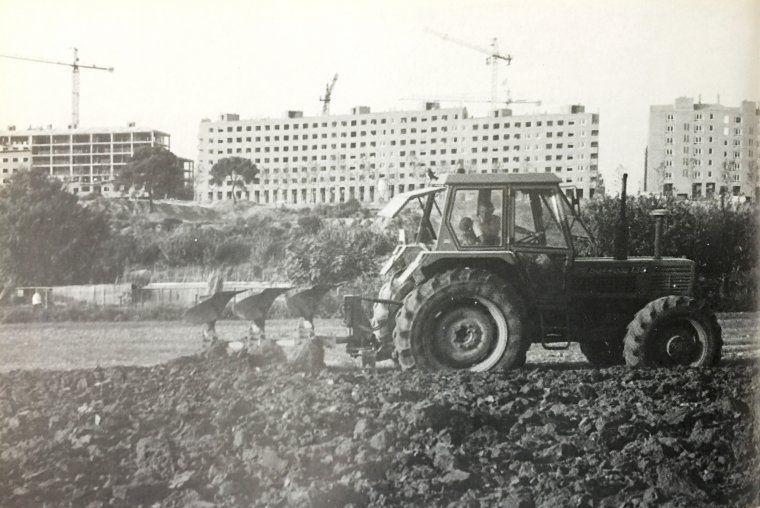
column 186, row 294
column 95, row 294
column 179, row 294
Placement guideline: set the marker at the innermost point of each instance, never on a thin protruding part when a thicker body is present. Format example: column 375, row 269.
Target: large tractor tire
column 462, row 319
column 603, row 353
column 383, row 315
column 671, row 331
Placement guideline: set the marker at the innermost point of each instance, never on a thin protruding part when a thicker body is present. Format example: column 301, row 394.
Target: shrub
column 47, row 237
column 310, row 224
column 187, row 246
column 337, row 253
column 232, row 252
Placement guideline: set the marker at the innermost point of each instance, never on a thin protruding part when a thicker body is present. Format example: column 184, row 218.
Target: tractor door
column 538, row 239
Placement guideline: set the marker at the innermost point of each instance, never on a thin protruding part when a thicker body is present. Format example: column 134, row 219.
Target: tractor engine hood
column 643, row 277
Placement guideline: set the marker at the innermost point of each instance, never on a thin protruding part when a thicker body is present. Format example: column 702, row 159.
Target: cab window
column 476, row 217
column 581, row 239
column 537, row 220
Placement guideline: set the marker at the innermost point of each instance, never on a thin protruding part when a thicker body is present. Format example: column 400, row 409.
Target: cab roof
column 500, row 178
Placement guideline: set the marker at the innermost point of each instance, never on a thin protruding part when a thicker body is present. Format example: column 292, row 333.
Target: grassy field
column 64, row 346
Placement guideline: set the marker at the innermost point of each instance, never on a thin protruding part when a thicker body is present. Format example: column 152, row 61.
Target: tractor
column 502, row 261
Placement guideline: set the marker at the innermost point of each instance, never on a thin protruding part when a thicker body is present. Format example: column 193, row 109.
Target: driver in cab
column 487, row 225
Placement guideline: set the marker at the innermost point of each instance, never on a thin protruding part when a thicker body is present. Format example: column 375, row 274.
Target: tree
column 239, row 170
column 155, row 171
column 47, row 236
column 336, row 253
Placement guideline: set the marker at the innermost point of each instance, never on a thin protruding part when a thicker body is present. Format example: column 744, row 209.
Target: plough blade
column 305, row 303
column 209, row 309
column 255, row 307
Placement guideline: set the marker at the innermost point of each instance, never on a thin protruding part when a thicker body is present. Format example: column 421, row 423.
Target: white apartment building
column 371, row 156
column 86, row 160
column 12, row 160
column 702, row 150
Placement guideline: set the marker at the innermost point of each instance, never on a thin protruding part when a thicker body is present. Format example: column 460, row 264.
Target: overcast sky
column 180, row 61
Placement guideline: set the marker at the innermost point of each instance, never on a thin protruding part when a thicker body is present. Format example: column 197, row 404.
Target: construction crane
column 328, row 94
column 75, row 66
column 494, row 56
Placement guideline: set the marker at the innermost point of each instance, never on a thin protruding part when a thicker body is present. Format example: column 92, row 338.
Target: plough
column 302, row 302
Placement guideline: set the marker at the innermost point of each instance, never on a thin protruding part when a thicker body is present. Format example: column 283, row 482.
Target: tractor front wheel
column 461, row 319
column 672, row 331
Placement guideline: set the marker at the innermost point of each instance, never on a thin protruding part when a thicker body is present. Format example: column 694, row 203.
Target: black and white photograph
column 349, row 253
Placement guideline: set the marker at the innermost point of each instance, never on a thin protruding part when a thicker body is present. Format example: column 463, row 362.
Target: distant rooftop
column 11, row 130
column 426, row 107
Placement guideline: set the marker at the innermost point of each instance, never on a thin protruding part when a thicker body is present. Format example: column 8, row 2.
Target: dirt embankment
column 213, row 430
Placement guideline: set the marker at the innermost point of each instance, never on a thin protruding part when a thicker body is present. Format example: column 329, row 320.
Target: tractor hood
column 399, row 201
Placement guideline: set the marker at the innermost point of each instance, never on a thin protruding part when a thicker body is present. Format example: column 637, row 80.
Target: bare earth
column 213, row 429
column 65, row 346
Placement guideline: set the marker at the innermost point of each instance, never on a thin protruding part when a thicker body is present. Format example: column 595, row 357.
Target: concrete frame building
column 371, row 156
column 12, row 160
column 86, row 160
column 702, row 150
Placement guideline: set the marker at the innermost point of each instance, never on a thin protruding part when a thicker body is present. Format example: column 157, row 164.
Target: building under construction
column 371, row 156
column 86, row 160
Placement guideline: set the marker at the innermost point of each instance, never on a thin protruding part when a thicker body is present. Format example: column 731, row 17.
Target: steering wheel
column 537, row 238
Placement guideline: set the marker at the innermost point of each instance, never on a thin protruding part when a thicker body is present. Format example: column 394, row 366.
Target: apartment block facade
column 372, row 156
column 701, row 150
column 86, row 160
column 12, row 160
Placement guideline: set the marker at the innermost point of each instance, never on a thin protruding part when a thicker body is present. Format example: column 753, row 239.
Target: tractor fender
column 427, row 263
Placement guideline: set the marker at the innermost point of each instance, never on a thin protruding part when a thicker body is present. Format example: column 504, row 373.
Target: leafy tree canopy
column 240, row 170
column 154, row 170
column 47, row 237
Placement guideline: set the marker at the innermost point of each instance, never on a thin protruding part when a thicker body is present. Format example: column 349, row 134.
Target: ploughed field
column 164, row 422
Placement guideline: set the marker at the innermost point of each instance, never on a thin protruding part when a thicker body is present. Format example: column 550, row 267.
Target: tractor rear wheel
column 384, row 316
column 461, row 319
column 671, row 331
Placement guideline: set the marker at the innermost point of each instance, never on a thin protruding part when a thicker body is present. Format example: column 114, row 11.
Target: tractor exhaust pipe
column 658, row 215
column 620, row 247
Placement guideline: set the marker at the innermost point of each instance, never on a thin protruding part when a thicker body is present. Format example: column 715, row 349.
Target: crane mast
column 75, row 66
column 328, row 96
column 493, row 53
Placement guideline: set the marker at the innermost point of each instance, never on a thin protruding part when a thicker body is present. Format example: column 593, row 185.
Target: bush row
column 721, row 240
